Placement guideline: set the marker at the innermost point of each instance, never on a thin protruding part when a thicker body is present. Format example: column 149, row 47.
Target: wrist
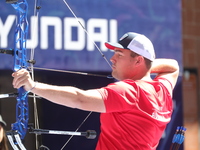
column 33, row 87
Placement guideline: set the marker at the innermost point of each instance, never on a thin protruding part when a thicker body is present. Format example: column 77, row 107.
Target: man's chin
column 114, row 75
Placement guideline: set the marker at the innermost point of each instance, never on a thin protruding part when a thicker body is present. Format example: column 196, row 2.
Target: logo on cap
column 123, row 37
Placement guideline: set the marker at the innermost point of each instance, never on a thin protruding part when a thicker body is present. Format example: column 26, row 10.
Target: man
column 136, row 109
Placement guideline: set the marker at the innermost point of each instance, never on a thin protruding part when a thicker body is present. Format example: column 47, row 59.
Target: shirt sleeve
column 119, row 96
column 166, row 83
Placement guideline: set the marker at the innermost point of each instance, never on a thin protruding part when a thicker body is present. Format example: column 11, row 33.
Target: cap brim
column 3, row 123
column 113, row 45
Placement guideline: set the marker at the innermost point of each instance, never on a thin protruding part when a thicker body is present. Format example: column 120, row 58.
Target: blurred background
column 60, row 43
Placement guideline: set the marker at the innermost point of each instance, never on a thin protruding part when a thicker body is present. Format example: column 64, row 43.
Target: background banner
column 60, row 43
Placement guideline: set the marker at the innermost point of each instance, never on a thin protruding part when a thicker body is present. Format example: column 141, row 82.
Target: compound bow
column 19, row 128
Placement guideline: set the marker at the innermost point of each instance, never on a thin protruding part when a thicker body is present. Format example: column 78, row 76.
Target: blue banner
column 60, row 42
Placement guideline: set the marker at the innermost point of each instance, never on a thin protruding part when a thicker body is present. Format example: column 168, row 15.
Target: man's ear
column 139, row 60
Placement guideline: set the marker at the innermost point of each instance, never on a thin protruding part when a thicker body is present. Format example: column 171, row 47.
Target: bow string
column 87, row 33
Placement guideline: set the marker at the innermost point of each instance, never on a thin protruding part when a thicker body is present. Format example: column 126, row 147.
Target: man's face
column 122, row 64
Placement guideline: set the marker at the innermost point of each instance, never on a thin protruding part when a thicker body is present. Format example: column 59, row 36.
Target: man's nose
column 112, row 59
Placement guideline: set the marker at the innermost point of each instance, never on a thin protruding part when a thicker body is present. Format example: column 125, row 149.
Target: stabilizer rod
column 89, row 134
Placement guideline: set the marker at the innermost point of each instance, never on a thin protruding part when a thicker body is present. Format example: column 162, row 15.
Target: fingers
column 21, row 78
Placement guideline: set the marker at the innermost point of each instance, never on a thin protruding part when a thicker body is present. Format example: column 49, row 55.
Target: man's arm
column 90, row 100
column 167, row 68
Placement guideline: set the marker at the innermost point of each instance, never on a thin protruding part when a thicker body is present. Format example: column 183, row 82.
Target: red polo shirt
column 137, row 113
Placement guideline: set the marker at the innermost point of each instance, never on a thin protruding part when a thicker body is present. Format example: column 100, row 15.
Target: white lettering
column 5, row 29
column 98, row 32
column 113, row 31
column 33, row 41
column 57, row 24
column 69, row 42
column 69, row 31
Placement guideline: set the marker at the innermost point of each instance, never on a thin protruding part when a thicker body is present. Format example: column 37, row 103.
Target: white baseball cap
column 135, row 42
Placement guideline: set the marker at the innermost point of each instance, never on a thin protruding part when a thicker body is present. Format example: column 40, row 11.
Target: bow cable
column 76, row 130
column 101, row 55
column 32, row 62
column 87, row 33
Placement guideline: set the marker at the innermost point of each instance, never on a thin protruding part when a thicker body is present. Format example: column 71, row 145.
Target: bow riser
column 20, row 61
column 21, row 32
